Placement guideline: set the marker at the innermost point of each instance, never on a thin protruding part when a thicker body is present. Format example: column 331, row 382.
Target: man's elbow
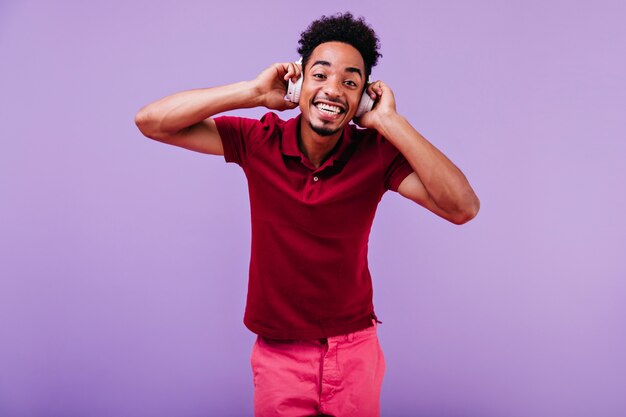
column 142, row 121
column 467, row 212
column 147, row 125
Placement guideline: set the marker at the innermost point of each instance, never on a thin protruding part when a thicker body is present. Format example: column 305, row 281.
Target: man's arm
column 184, row 119
column 436, row 183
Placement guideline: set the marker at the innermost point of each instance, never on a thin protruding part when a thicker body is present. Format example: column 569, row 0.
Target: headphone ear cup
column 365, row 105
column 293, row 90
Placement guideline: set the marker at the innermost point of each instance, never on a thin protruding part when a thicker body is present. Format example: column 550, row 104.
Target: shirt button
column 315, row 179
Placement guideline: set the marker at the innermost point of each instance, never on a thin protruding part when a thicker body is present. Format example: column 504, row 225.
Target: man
column 315, row 182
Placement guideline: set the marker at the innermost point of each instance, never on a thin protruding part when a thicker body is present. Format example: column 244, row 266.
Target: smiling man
column 315, row 182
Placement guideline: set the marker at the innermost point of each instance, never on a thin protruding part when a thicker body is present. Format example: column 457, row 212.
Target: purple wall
column 123, row 261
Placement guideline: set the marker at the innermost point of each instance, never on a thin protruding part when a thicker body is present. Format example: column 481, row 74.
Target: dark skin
column 331, row 91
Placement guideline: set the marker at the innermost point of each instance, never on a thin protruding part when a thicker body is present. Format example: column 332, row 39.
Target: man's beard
column 324, row 131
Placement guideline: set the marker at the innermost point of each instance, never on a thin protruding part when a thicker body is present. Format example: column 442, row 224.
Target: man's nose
column 332, row 88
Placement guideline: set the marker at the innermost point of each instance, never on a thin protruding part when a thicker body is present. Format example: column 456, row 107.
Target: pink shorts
column 339, row 376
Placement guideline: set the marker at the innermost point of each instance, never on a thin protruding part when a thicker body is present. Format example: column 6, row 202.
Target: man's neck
column 315, row 147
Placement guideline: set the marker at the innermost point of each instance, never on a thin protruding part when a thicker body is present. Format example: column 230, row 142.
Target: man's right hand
column 271, row 85
column 185, row 119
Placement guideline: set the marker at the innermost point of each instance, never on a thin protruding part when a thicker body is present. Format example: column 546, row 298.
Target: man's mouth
column 329, row 109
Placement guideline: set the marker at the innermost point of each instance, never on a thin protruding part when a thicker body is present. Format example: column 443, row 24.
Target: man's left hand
column 384, row 106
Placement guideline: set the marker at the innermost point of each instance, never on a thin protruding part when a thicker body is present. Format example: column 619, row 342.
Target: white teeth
column 328, row 108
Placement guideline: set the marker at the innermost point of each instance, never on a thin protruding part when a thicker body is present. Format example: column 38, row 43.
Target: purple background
column 123, row 261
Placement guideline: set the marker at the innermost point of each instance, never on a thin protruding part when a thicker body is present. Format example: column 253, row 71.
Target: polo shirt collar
column 289, row 143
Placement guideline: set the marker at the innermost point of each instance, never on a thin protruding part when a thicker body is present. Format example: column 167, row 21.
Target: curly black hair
column 341, row 27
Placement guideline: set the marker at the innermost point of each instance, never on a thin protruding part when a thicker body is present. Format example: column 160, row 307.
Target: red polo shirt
column 309, row 276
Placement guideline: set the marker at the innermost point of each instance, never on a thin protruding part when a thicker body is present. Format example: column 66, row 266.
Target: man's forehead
column 337, row 54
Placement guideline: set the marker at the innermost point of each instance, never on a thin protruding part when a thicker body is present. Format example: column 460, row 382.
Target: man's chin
column 324, row 131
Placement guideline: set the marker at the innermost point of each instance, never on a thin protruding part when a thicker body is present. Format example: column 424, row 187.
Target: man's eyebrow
column 354, row 70
column 325, row 63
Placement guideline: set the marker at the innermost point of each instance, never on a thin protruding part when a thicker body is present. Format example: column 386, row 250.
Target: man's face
column 331, row 90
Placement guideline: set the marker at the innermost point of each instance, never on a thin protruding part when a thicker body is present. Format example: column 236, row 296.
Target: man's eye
column 351, row 83
column 319, row 76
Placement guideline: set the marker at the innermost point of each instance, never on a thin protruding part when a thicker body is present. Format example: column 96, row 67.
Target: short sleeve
column 240, row 135
column 396, row 167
